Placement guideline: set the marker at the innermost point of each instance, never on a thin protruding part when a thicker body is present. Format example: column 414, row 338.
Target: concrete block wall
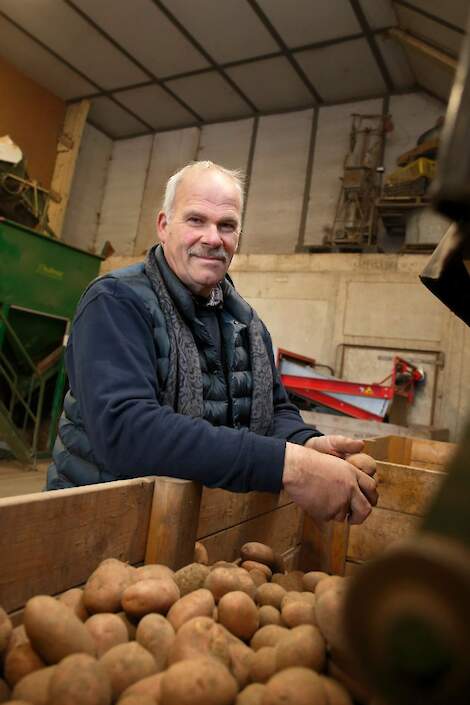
column 293, row 163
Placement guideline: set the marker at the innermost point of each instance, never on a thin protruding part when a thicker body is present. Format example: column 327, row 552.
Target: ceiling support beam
column 429, row 16
column 67, row 152
column 372, row 42
column 409, row 40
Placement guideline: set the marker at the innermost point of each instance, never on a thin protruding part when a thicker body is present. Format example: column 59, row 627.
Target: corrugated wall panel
column 227, row 143
column 170, row 152
column 84, row 206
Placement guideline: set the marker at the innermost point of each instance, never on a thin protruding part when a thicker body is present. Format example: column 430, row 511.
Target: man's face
column 201, row 236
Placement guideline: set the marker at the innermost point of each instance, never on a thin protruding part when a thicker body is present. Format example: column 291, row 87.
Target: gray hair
column 236, row 175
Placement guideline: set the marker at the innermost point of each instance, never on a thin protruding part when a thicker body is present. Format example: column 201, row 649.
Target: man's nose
column 211, row 235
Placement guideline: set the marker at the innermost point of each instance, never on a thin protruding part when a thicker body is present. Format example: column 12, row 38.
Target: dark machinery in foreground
column 408, row 612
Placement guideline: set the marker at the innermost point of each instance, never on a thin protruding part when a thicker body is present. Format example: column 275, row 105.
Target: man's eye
column 194, row 220
column 227, row 227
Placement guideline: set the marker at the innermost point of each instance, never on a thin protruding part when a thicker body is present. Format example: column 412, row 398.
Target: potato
column 296, row 596
column 270, row 594
column 241, row 658
column 34, row 688
column 156, row 634
column 303, row 646
column 330, row 618
column 150, row 595
column 255, row 551
column 277, row 578
column 4, row 691
column 54, row 630
column 311, row 579
column 200, row 636
column 6, row 629
column 199, row 603
column 129, row 623
column 137, row 700
column 222, row 580
column 251, row 695
column 336, row 694
column 191, row 577
column 104, row 587
column 295, row 686
column 239, row 614
column 292, row 580
column 254, row 565
column 247, row 583
column 79, row 679
column 153, row 570
column 19, row 662
column 150, row 686
column 278, row 565
column 332, row 581
column 258, row 577
column 202, row 681
column 107, row 630
column 269, row 615
column 74, row 599
column 18, row 636
column 298, row 612
column 270, row 635
column 263, row 666
column 200, row 553
column 126, row 664
column 223, row 564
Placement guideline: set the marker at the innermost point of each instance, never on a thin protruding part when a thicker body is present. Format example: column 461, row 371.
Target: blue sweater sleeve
column 111, row 363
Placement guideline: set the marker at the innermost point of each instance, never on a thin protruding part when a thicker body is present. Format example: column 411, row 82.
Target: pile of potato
column 243, row 633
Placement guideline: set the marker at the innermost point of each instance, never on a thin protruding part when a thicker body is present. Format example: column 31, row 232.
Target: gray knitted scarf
column 184, row 388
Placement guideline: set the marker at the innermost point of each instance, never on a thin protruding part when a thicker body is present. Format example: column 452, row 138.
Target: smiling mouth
column 210, row 259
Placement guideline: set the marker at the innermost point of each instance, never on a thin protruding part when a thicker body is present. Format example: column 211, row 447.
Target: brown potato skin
column 6, row 628
column 222, row 580
column 156, row 634
column 251, row 695
column 191, row 577
column 256, row 551
column 269, row 615
column 270, row 635
column 34, row 688
column 270, row 594
column 311, row 579
column 149, row 686
column 4, row 691
column 126, row 664
column 202, row 681
column 200, row 553
column 19, row 662
column 298, row 612
column 258, row 577
column 336, row 693
column 329, row 615
column 136, row 699
column 255, row 565
column 79, row 679
column 54, row 630
column 295, row 686
column 332, row 581
column 201, row 636
column 107, row 630
column 150, row 595
column 103, row 589
column 199, row 603
column 153, row 570
column 264, row 665
column 239, row 614
column 303, row 646
column 73, row 598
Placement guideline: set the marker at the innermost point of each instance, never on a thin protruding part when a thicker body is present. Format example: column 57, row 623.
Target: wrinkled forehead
column 208, row 187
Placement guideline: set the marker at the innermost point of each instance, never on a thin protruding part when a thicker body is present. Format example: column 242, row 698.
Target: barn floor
column 17, row 479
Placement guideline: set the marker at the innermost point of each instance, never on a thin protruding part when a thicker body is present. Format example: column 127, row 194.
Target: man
column 172, row 372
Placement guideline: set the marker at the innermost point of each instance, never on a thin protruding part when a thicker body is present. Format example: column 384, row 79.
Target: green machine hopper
column 41, row 280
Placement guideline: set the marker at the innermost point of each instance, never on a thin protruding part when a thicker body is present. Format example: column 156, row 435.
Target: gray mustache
column 214, row 253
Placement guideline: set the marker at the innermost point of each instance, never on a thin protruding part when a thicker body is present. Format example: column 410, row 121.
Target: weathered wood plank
column 280, row 528
column 324, row 546
column 380, row 530
column 221, row 509
column 406, row 489
column 52, row 541
column 425, row 453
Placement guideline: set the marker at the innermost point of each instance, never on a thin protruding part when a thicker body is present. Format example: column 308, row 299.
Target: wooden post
column 173, row 522
column 445, row 60
column 67, row 153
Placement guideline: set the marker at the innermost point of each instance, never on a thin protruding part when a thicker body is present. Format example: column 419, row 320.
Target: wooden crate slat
column 324, row 546
column 221, row 509
column 425, row 453
column 380, row 530
column 406, row 489
column 280, row 528
column 52, row 541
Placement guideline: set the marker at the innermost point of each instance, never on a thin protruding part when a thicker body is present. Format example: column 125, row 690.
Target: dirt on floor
column 17, row 479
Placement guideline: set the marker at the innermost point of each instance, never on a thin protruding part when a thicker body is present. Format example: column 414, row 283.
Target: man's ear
column 162, row 227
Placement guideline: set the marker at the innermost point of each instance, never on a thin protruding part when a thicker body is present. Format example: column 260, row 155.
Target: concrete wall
column 354, row 312
column 293, row 161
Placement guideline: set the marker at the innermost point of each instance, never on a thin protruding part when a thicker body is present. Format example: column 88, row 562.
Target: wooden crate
column 409, row 473
column 52, row 541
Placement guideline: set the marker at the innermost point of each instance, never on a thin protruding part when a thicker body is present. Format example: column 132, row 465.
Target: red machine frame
column 403, row 379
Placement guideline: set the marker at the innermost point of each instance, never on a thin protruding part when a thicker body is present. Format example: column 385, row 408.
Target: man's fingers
column 368, row 487
column 360, row 508
column 363, row 462
column 346, row 446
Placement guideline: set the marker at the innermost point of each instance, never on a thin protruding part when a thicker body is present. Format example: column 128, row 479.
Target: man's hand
column 344, row 447
column 326, row 486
